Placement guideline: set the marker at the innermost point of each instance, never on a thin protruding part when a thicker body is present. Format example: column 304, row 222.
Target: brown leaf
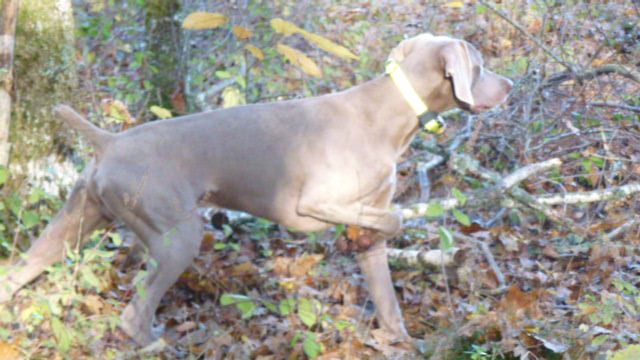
column 8, row 351
column 186, row 326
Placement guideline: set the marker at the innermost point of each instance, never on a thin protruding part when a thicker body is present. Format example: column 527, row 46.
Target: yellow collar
column 434, row 125
column 392, row 68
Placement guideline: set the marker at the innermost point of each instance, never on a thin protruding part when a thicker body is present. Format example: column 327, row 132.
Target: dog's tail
column 97, row 137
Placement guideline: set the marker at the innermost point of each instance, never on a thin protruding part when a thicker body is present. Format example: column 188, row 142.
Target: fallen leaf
column 329, row 46
column 8, row 351
column 454, row 4
column 284, row 27
column 204, row 20
column 186, row 326
column 242, row 32
column 299, row 59
column 255, row 51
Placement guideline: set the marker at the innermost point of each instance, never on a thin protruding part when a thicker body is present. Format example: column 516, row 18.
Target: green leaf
column 480, row 9
column 462, row 198
column 246, row 308
column 90, row 278
column 230, row 299
column 630, row 353
column 219, row 246
column 311, row 347
column 434, row 210
column 4, row 174
column 286, row 306
column 36, row 195
column 270, row 306
column 61, row 333
column 599, row 340
column 30, row 219
column 307, row 312
column 461, row 217
column 446, row 239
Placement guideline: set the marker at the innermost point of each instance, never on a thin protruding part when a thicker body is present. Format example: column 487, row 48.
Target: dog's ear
column 403, row 49
column 459, row 67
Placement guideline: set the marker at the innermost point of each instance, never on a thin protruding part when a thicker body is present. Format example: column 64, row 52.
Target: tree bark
column 164, row 39
column 45, row 74
column 7, row 40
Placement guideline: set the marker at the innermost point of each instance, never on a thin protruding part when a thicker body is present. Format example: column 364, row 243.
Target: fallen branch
column 613, row 193
column 431, row 258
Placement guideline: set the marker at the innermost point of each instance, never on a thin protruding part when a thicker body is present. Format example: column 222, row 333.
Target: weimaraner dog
column 307, row 164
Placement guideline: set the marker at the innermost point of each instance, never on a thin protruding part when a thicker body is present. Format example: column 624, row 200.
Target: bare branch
column 432, row 258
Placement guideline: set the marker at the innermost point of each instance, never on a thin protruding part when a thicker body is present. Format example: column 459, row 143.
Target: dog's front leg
column 375, row 267
column 373, row 262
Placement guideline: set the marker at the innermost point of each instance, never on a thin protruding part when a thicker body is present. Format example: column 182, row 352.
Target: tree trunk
column 164, row 38
column 7, row 40
column 45, row 74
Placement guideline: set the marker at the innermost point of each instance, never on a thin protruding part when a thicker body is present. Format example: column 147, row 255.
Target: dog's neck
column 386, row 112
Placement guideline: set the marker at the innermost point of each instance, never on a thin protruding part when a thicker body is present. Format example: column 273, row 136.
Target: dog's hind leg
column 79, row 217
column 173, row 251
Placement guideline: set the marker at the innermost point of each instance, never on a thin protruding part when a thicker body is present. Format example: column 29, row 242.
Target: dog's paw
column 139, row 332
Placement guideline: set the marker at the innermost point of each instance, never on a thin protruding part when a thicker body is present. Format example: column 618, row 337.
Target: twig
column 590, row 74
column 617, row 106
column 526, row 33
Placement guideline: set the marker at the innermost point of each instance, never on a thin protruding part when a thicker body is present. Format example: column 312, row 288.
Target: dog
column 307, row 164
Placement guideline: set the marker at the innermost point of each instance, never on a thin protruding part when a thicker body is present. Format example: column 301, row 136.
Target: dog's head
column 449, row 73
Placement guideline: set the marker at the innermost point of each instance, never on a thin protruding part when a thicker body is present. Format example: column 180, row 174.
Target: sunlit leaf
column 61, row 333
column 229, row 299
column 284, row 27
column 255, row 51
column 231, row 96
column 329, row 46
column 242, row 32
column 299, row 59
column 30, row 219
column 4, row 174
column 247, row 308
column 307, row 311
column 204, row 20
column 160, row 112
column 311, row 346
column 446, row 238
column 286, row 306
column 630, row 353
column 462, row 198
column 454, row 4
column 434, row 210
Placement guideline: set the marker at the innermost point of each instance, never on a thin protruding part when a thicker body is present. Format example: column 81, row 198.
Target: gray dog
column 307, row 164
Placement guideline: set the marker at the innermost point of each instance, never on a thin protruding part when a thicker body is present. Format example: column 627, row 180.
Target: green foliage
column 68, row 303
column 22, row 214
